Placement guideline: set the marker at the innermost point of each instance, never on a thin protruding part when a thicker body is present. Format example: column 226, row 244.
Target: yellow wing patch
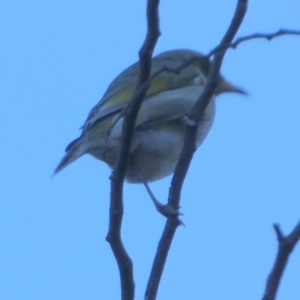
column 100, row 128
column 158, row 84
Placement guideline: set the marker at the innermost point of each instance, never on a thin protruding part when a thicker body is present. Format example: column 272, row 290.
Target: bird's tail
column 73, row 151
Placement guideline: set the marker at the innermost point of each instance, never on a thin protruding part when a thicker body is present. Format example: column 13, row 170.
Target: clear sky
column 57, row 58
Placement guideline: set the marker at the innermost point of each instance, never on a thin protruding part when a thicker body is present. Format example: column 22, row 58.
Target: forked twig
column 267, row 36
column 286, row 245
column 187, row 154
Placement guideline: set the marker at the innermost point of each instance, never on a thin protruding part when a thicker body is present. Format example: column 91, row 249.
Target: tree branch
column 286, row 245
column 117, row 179
column 267, row 36
column 188, row 151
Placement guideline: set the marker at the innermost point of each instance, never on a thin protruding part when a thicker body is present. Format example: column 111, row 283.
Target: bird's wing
column 170, row 70
column 168, row 106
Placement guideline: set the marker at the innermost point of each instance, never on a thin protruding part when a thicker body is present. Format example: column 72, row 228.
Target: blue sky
column 57, row 58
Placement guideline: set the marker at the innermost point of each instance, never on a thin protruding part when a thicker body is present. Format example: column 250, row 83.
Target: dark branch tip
column 278, row 232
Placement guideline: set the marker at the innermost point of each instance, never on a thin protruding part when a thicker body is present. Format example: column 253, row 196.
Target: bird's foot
column 165, row 209
column 188, row 121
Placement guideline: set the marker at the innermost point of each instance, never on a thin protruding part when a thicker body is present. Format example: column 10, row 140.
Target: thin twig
column 267, row 36
column 117, row 179
column 187, row 154
column 286, row 245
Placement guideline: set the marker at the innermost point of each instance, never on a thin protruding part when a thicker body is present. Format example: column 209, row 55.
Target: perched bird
column 178, row 78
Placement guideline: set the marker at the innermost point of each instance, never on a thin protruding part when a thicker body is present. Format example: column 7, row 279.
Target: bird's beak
column 225, row 86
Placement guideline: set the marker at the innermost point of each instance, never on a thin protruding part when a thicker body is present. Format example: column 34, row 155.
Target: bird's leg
column 165, row 209
column 156, row 203
column 189, row 122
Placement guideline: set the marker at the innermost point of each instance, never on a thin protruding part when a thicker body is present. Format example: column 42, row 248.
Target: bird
column 178, row 77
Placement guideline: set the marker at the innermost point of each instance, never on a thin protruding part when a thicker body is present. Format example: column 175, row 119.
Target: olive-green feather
column 170, row 70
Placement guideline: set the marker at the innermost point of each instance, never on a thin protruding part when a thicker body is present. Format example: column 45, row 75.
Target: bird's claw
column 169, row 211
column 188, row 121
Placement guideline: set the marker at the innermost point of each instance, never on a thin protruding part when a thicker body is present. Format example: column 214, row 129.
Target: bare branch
column 117, row 179
column 267, row 36
column 286, row 245
column 187, row 153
